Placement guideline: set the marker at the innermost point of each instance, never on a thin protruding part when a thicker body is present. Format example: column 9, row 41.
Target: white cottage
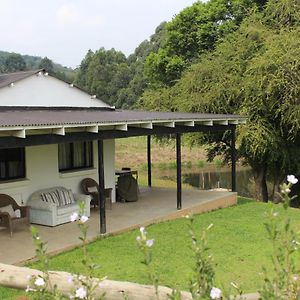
column 54, row 134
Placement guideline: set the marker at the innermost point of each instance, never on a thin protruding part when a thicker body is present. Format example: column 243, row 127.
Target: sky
column 65, row 30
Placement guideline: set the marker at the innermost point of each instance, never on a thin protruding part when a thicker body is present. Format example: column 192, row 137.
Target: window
column 72, row 156
column 12, row 163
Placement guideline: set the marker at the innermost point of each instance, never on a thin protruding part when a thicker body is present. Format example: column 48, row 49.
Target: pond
column 220, row 177
column 217, row 178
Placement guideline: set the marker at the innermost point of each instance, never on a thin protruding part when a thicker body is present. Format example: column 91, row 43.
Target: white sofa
column 51, row 214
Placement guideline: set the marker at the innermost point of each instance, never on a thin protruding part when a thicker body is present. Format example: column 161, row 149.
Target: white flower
column 142, row 229
column 39, row 282
column 215, row 293
column 80, row 293
column 138, row 239
column 74, row 216
column 292, row 179
column 150, row 243
column 83, row 219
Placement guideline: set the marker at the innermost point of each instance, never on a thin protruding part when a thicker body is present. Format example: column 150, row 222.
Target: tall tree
column 47, row 64
column 14, row 62
column 194, row 31
column 255, row 72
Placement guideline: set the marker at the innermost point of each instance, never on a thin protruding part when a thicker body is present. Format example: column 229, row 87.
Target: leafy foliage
column 194, row 31
column 115, row 79
column 13, row 62
column 254, row 71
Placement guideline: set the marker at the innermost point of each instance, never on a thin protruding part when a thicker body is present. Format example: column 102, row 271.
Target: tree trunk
column 19, row 278
column 261, row 189
column 276, row 189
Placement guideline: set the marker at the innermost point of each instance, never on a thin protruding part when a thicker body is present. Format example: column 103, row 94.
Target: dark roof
column 7, row 79
column 49, row 117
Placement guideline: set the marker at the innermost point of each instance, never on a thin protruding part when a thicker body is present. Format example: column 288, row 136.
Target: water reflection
column 220, row 178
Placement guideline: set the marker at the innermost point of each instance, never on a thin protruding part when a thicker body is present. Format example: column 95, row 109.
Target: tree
column 254, row 72
column 47, row 64
column 14, row 62
column 194, row 31
column 116, row 79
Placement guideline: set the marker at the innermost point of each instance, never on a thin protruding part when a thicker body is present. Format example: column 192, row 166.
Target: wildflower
column 292, row 179
column 83, row 219
column 39, row 282
column 70, row 279
column 142, row 230
column 138, row 239
column 150, row 243
column 74, row 216
column 80, row 293
column 215, row 293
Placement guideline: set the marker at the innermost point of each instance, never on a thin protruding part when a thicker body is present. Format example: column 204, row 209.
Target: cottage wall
column 42, row 172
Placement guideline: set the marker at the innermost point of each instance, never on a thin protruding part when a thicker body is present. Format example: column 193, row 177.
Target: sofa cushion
column 67, row 209
column 52, row 197
column 65, row 197
column 8, row 209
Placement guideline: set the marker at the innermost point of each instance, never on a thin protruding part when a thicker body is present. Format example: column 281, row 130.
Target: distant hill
column 33, row 62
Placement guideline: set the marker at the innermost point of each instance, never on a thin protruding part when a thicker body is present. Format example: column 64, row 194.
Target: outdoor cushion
column 51, row 197
column 92, row 189
column 9, row 209
column 67, row 209
column 18, row 213
column 65, row 197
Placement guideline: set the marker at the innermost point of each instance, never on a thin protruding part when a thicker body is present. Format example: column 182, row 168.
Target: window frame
column 72, row 168
column 6, row 161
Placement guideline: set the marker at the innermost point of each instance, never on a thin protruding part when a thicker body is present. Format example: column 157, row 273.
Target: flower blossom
column 149, row 243
column 39, row 282
column 80, row 293
column 74, row 217
column 292, row 179
column 215, row 293
column 83, row 219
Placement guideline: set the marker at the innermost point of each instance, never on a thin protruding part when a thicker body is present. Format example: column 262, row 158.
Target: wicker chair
column 6, row 220
column 90, row 187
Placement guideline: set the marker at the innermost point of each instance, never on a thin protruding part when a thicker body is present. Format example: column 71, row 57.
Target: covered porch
column 154, row 205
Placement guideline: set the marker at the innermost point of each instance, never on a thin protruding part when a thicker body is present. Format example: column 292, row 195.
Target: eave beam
column 20, row 133
column 165, row 124
column 59, row 131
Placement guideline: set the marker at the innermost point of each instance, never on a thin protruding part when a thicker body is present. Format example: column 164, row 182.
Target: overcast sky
column 64, row 30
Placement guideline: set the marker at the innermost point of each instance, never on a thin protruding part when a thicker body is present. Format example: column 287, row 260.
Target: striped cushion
column 51, row 197
column 65, row 197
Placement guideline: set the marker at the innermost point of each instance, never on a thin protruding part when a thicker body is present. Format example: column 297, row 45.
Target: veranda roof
column 20, row 122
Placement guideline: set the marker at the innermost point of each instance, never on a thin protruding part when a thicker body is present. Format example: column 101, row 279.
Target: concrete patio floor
column 154, row 205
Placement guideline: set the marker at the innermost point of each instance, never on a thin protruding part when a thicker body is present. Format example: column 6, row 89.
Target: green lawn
column 238, row 244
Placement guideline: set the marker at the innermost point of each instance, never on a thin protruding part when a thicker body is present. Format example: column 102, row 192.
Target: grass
column 237, row 241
